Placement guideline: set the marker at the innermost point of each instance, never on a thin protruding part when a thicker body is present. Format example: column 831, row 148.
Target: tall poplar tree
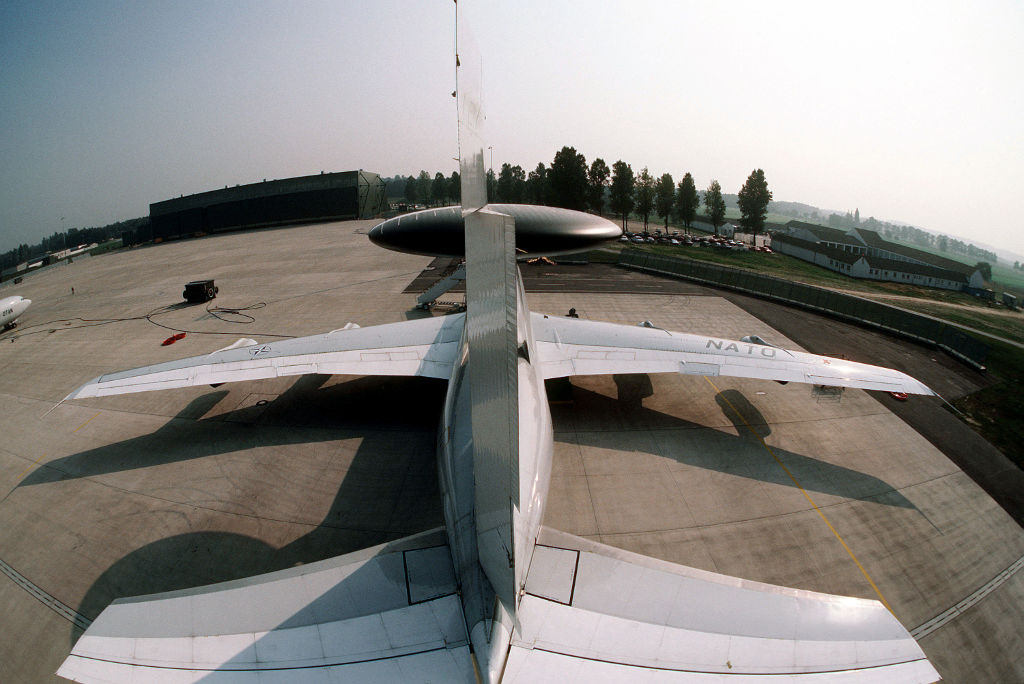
column 597, row 181
column 664, row 196
column 439, row 189
column 621, row 191
column 423, row 182
column 644, row 195
column 455, row 188
column 567, row 180
column 687, row 200
column 753, row 199
column 715, row 204
column 537, row 185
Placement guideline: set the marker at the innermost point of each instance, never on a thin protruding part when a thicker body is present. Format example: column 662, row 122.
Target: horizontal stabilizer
column 385, row 614
column 595, row 613
column 424, row 347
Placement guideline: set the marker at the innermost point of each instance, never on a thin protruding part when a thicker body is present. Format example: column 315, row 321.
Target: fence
column 918, row 327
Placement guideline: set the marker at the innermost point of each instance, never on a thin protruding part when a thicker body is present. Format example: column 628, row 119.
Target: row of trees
column 570, row 183
column 67, row 239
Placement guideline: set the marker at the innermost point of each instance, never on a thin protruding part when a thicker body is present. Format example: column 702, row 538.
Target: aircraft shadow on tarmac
column 389, row 490
column 372, row 410
column 592, row 413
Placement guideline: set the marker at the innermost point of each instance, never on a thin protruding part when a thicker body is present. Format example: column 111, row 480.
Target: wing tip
column 83, row 391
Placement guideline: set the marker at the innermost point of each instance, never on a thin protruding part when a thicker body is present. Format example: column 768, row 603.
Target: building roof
column 871, row 238
column 916, row 269
column 831, row 252
column 932, row 259
column 338, row 179
column 880, row 263
column 822, row 232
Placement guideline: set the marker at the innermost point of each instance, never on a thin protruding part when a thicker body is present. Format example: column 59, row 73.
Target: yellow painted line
column 84, row 424
column 809, row 499
column 25, row 471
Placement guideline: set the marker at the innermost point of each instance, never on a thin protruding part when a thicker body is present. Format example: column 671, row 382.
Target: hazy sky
column 908, row 111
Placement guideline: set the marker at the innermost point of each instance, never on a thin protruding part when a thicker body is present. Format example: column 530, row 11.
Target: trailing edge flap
column 595, row 613
column 425, row 347
column 384, row 614
column 571, row 346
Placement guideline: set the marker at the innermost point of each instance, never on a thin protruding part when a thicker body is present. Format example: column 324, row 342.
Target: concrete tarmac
column 120, row 496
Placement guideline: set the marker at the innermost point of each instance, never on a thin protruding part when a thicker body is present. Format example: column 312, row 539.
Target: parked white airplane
column 10, row 309
column 496, row 596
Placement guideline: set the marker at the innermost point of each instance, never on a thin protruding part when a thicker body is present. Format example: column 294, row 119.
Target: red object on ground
column 902, row 396
column 172, row 339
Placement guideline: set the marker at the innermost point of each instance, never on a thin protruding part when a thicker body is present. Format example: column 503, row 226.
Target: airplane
column 495, row 595
column 10, row 309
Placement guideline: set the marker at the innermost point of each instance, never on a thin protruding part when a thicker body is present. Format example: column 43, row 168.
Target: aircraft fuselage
column 488, row 614
column 10, row 309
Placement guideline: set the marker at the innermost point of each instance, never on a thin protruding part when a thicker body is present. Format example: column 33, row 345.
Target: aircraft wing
column 570, row 346
column 591, row 612
column 384, row 614
column 425, row 347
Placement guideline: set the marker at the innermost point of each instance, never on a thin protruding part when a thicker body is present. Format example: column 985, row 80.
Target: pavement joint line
column 962, row 605
column 17, row 480
column 46, row 599
column 807, row 496
column 84, row 424
column 28, row 468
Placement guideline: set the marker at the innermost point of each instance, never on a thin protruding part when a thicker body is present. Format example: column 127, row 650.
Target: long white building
column 863, row 253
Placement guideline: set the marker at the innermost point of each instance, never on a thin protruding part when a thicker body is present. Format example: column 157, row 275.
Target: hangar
column 304, row 199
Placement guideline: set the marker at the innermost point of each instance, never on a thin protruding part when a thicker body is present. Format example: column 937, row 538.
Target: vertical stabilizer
column 491, row 337
column 493, row 384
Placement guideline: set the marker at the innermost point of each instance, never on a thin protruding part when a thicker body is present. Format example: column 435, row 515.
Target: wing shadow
column 591, row 413
column 347, row 409
column 388, row 491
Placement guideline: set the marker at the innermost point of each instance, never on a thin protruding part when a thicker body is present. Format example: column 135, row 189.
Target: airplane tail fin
column 491, row 326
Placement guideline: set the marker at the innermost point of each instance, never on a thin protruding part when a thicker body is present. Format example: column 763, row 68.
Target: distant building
column 863, row 253
column 323, row 197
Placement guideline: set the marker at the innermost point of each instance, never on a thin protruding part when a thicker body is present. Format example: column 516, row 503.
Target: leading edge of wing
column 425, row 347
column 570, row 346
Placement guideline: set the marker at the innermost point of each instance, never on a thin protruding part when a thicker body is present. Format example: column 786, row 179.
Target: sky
column 911, row 112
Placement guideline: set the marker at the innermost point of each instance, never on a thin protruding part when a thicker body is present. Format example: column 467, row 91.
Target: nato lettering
column 767, row 352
